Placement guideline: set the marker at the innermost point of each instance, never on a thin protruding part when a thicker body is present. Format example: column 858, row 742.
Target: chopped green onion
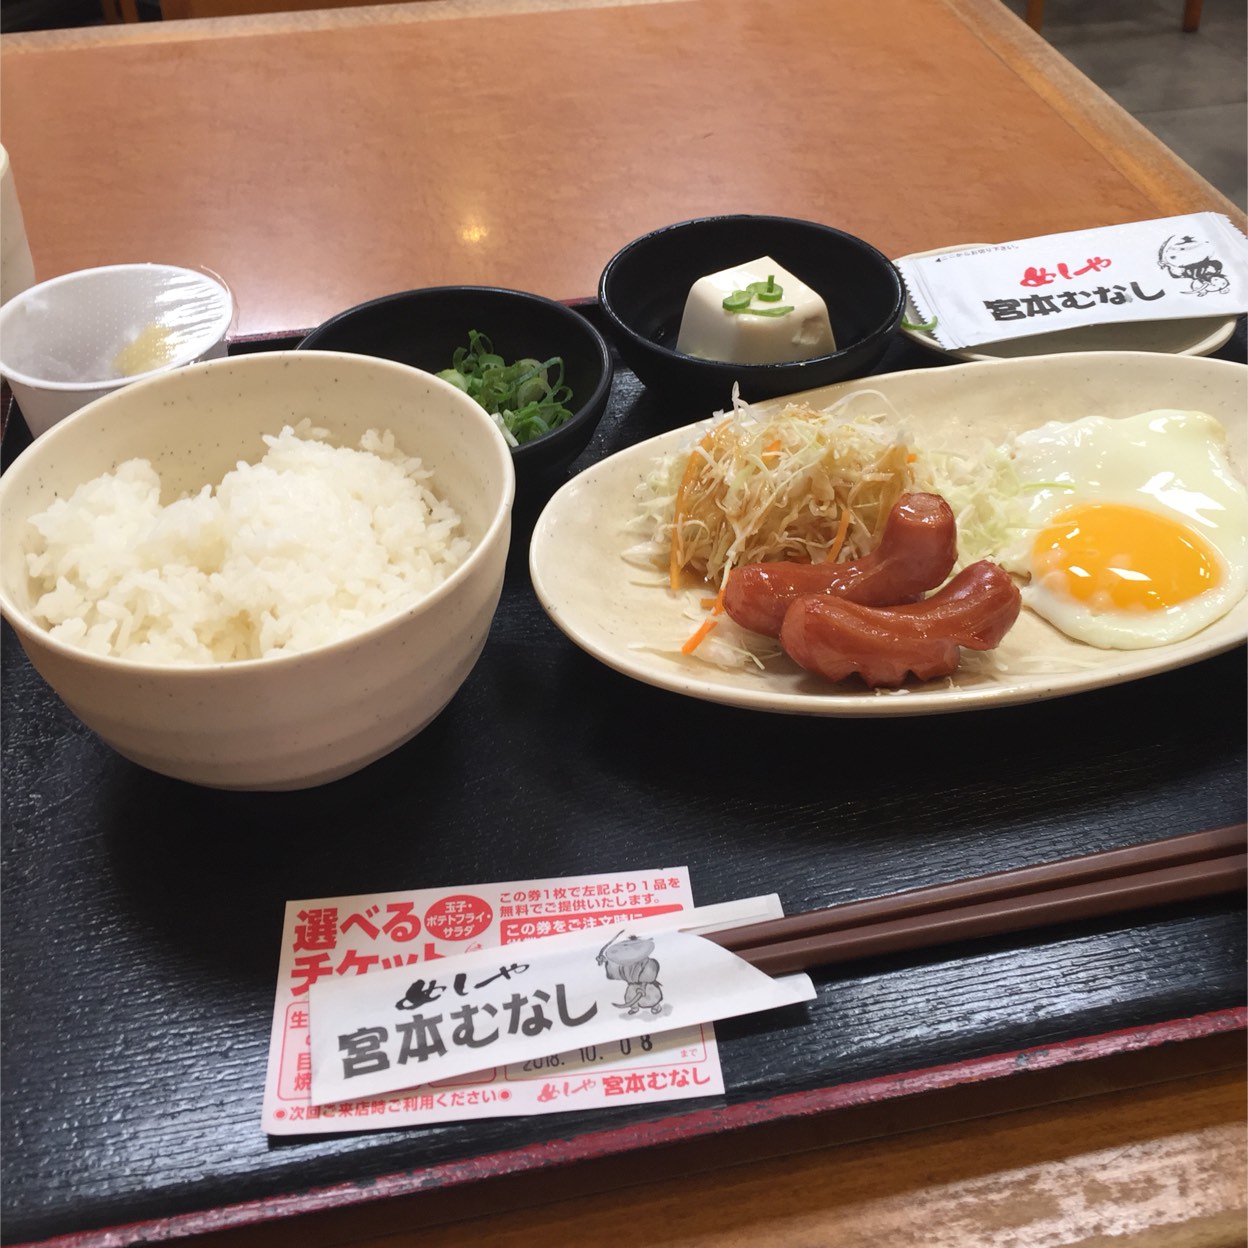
column 767, row 291
column 526, row 399
column 741, row 301
column 923, row 327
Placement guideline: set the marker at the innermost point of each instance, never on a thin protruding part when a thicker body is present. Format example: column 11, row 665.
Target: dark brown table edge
column 710, row 1139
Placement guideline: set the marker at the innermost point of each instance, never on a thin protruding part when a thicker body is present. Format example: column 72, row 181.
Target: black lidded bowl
column 642, row 292
column 423, row 327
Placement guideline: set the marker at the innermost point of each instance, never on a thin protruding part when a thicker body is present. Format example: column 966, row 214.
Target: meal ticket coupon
column 1176, row 267
column 408, row 935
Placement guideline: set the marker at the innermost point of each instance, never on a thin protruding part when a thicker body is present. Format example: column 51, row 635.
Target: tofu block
column 762, row 331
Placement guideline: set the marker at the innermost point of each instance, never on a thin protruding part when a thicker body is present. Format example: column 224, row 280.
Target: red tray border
column 676, row 1129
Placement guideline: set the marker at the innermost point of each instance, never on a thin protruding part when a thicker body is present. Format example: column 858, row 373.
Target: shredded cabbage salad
column 798, row 483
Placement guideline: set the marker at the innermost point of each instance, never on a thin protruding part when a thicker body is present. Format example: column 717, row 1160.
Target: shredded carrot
column 911, row 457
column 691, row 471
column 842, row 528
column 714, row 605
column 698, row 637
column 774, row 448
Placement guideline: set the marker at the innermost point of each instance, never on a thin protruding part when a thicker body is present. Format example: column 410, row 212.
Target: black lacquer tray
column 141, row 916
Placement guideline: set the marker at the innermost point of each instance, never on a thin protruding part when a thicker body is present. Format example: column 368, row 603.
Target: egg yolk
column 1115, row 557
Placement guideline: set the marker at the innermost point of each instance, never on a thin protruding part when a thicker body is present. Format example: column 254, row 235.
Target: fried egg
column 1132, row 532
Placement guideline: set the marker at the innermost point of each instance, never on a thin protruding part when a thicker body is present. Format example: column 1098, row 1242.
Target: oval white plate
column 1190, row 336
column 604, row 605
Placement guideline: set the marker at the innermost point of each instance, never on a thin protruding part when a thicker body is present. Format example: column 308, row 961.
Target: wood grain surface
column 1155, row 1167
column 317, row 160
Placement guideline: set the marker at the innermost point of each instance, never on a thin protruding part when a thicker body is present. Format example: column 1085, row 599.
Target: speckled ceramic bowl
column 296, row 720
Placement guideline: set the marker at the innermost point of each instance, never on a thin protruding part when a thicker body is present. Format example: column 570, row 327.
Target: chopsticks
column 1181, row 868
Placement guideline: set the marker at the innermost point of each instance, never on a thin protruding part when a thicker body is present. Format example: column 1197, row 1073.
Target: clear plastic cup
column 75, row 338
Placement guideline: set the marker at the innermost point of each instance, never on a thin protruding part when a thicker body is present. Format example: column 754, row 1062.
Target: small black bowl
column 423, row 327
column 643, row 289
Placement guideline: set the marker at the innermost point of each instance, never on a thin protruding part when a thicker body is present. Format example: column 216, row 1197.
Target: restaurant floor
column 1191, row 90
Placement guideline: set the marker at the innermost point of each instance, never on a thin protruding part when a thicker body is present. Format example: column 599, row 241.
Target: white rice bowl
column 262, row 572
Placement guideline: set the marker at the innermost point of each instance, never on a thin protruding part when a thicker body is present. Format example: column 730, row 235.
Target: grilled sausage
column 916, row 551
column 835, row 638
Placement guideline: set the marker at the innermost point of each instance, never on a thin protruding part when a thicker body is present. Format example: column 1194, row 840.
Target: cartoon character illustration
column 630, row 961
column 1186, row 257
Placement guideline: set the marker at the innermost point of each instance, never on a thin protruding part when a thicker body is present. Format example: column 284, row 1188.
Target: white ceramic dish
column 1189, row 336
column 602, row 603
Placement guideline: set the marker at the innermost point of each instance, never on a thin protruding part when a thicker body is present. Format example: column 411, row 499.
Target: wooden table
column 1157, row 1167
column 318, row 159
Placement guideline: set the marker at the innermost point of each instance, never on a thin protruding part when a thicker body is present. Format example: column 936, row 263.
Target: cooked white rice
column 309, row 545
